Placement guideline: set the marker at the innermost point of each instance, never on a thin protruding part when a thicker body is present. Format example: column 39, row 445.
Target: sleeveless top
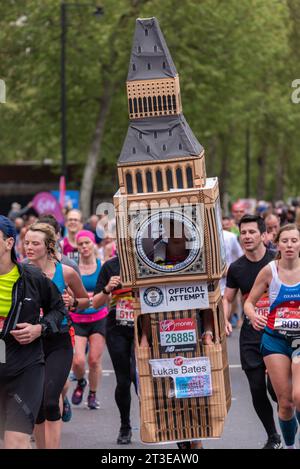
column 284, row 316
column 90, row 315
column 70, row 251
column 59, row 281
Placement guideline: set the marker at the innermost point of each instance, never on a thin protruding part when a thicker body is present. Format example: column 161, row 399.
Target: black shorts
column 20, row 400
column 85, row 329
column 250, row 340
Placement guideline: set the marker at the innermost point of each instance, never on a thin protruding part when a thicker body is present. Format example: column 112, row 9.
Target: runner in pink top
column 89, row 324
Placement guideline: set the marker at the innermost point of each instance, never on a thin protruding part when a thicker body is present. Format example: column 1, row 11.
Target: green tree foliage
column 236, row 59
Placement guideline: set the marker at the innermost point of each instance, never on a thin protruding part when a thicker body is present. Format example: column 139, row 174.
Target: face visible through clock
column 168, row 242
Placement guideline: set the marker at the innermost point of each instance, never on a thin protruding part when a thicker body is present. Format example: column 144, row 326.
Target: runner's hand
column 26, row 333
column 259, row 322
column 67, row 299
column 228, row 328
column 113, row 283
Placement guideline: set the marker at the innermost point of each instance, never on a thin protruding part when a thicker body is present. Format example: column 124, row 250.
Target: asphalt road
column 98, row 429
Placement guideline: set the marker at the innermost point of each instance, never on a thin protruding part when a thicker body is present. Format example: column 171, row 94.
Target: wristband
column 75, row 304
column 105, row 291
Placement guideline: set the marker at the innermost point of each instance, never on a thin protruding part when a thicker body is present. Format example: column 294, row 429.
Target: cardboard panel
column 165, row 418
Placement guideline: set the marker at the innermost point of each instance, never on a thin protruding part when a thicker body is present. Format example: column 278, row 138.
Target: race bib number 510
column 124, row 312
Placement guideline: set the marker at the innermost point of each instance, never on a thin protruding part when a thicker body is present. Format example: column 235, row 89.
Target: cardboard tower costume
column 165, row 201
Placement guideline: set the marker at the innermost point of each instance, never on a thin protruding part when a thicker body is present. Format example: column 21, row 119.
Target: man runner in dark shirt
column 241, row 276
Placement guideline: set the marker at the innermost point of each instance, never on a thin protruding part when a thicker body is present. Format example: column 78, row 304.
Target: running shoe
column 72, row 376
column 67, row 410
column 124, row 437
column 78, row 392
column 273, row 442
column 92, row 402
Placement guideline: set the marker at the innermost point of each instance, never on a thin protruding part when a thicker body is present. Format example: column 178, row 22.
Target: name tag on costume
column 191, row 376
column 175, row 297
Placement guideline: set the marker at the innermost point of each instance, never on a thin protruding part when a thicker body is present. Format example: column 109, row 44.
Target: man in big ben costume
column 171, row 253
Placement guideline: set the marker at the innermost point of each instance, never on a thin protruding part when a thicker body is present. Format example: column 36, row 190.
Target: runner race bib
column 124, row 312
column 287, row 319
column 262, row 307
column 177, row 335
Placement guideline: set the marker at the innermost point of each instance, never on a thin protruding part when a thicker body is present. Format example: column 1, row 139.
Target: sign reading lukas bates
column 191, row 376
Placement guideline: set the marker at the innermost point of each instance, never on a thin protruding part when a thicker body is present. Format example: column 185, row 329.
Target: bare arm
column 261, row 284
column 101, row 298
column 228, row 299
column 76, row 286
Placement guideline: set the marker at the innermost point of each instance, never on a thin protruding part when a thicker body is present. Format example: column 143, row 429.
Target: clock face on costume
column 168, row 241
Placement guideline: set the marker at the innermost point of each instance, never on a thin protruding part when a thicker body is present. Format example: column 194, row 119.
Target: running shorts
column 250, row 340
column 274, row 343
column 20, row 400
column 85, row 329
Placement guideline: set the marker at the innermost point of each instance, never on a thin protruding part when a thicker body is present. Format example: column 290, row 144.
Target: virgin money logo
column 167, row 326
column 178, row 361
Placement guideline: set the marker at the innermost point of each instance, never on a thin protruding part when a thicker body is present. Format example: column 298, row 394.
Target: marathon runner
column 119, row 338
column 171, row 249
column 281, row 339
column 89, row 324
column 73, row 226
column 241, row 276
column 24, row 290
column 51, row 220
column 40, row 249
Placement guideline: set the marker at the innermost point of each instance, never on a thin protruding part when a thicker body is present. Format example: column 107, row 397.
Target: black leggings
column 58, row 352
column 258, row 388
column 120, row 344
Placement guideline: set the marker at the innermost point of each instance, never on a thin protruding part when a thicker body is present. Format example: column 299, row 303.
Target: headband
column 86, row 234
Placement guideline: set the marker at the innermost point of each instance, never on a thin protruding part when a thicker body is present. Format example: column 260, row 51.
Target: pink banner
column 45, row 203
column 62, row 191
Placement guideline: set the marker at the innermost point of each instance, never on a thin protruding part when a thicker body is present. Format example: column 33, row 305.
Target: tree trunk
column 224, row 141
column 280, row 172
column 90, row 169
column 262, row 164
